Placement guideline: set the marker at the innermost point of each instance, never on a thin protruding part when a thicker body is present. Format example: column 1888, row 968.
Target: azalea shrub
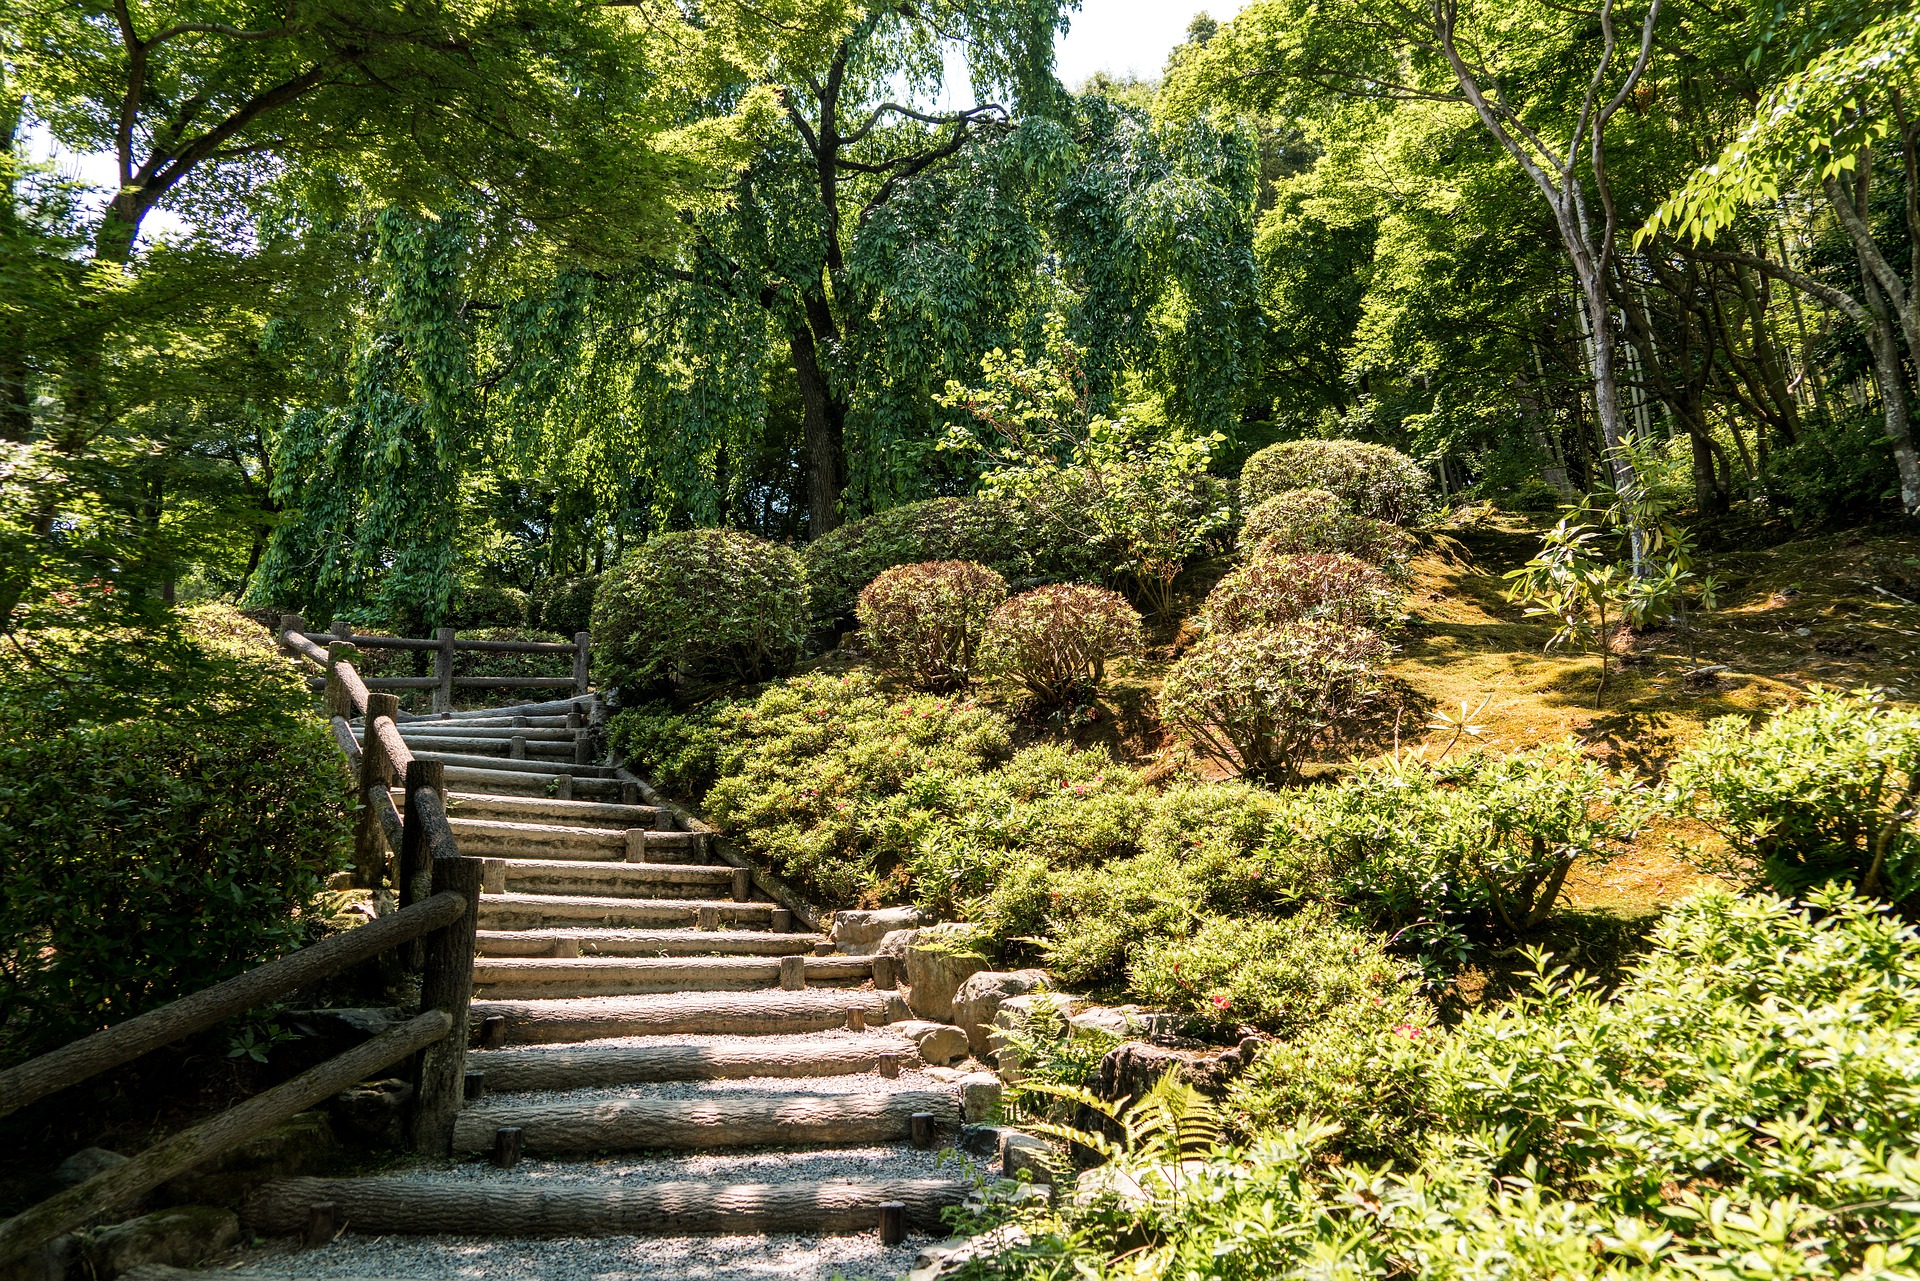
column 706, row 605
column 1302, row 521
column 1056, row 640
column 1743, row 1104
column 1278, row 974
column 171, row 803
column 1257, row 701
column 1374, row 481
column 1819, row 794
column 844, row 560
column 1271, row 591
column 926, row 621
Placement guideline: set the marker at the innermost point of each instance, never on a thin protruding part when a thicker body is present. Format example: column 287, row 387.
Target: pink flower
column 1409, row 1031
column 1221, row 1002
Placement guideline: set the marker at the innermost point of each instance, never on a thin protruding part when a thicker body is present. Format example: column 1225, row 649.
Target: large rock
column 860, row 933
column 85, row 1164
column 178, row 1238
column 49, row 1262
column 939, row 959
column 296, row 1146
column 979, row 998
column 939, row 1043
column 1130, row 1070
column 980, row 1096
column 952, row 1257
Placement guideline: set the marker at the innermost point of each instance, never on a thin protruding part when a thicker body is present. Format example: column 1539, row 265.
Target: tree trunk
column 825, row 444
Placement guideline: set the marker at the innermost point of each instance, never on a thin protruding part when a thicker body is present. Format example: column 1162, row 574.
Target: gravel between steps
column 763, row 1258
column 764, row 1165
column 849, row 1083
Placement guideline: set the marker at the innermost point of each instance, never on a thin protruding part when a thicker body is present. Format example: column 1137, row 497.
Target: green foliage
column 1820, row 794
column 707, row 604
column 170, row 805
column 841, row 563
column 1308, row 521
column 488, row 605
column 1482, row 843
column 1275, row 590
column 926, row 621
column 1373, row 480
column 1278, row 975
column 1051, row 1052
column 1257, row 701
column 564, row 605
column 1741, row 1106
column 1056, row 640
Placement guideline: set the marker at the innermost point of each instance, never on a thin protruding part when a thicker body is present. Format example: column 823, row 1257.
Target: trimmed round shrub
column 487, row 605
column 565, row 605
column 1257, row 701
column 1274, row 590
column 704, row 605
column 1056, row 640
column 1373, row 480
column 1314, row 520
column 168, row 819
column 844, row 561
column 926, row 621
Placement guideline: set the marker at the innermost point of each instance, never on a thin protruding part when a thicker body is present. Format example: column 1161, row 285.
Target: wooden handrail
column 123, row 1042
column 175, row 1156
column 293, row 634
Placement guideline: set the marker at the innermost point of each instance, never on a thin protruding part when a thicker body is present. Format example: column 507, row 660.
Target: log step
column 430, row 734
column 762, row 1013
column 617, row 880
column 438, row 745
column 556, row 911
column 506, row 782
column 502, row 765
column 631, row 976
column 723, row 1120
column 572, row 1067
column 494, row 837
column 602, row 942
column 546, row 809
column 554, row 1208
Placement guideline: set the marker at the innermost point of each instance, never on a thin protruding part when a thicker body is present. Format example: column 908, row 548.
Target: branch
column 1834, row 298
column 218, row 29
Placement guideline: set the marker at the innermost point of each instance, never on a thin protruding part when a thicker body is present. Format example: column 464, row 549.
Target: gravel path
column 849, row 1083
column 764, row 1165
column 773, row 1258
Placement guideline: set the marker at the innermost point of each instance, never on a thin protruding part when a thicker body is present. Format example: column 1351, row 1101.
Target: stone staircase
column 659, row 1053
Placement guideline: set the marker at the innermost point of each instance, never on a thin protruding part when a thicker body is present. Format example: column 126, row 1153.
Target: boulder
column 1126, row 1022
column 977, row 1001
column 979, row 1097
column 49, row 1262
column 84, row 1164
column 940, row 1043
column 952, row 1257
column 1024, row 1157
column 179, row 1238
column 859, row 933
column 894, row 943
column 982, row 1140
column 297, row 1145
column 1130, row 1070
column 1139, row 1186
column 939, row 959
column 373, row 1114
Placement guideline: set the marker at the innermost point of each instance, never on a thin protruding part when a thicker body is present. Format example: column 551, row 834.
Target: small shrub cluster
column 1056, row 640
column 170, row 804
column 1372, row 480
column 487, row 605
column 1302, row 521
column 704, row 605
column 564, row 605
column 1820, row 794
column 926, row 621
column 1272, row 591
column 1743, row 1105
column 1257, row 701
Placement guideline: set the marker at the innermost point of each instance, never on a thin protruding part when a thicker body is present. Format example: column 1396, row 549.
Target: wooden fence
column 439, row 891
column 444, row 645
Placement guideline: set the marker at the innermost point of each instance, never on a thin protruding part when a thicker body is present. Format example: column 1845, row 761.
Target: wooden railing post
column 582, row 646
column 446, row 985
column 291, row 623
column 443, row 670
column 339, row 699
column 376, row 774
column 415, row 852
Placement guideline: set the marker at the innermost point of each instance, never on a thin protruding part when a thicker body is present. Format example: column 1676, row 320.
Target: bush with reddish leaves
column 1257, row 701
column 925, row 621
column 1315, row 520
column 1274, row 590
column 1056, row 640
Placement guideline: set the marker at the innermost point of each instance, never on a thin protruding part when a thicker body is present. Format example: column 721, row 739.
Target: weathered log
column 553, row 1208
column 124, row 1042
column 397, row 752
column 614, row 942
column 717, row 1013
column 507, row 765
column 446, row 984
column 538, row 911
column 617, row 880
column 513, row 682
column 724, row 1120
column 443, row 669
column 572, row 1067
column 349, row 745
column 623, row 976
column 175, row 1156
